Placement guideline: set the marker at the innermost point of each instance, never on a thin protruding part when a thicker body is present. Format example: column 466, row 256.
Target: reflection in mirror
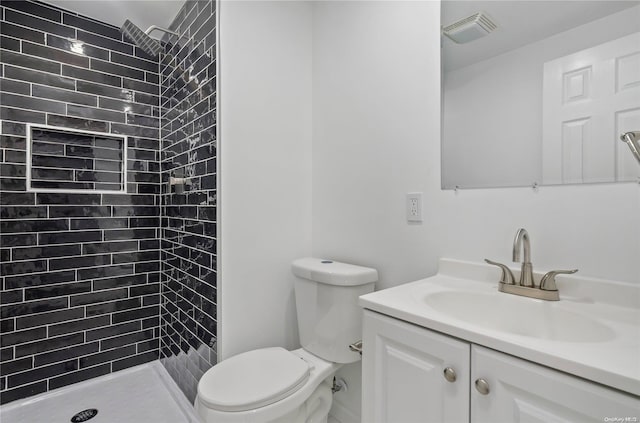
column 539, row 92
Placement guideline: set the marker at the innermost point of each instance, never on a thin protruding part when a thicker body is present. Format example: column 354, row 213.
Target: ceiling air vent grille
column 470, row 28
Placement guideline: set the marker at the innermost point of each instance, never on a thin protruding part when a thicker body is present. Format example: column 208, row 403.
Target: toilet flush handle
column 356, row 347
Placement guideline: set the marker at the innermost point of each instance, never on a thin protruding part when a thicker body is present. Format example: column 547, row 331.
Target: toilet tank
column 329, row 318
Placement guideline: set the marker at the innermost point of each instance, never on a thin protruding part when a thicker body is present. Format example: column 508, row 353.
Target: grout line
column 79, row 79
column 47, row 115
column 198, row 324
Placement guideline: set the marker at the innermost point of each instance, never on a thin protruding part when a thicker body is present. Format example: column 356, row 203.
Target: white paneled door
column 589, row 99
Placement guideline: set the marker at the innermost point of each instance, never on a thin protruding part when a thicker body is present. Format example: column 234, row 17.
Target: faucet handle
column 507, row 276
column 548, row 281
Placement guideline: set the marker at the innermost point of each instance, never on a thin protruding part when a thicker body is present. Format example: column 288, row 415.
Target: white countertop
column 615, row 306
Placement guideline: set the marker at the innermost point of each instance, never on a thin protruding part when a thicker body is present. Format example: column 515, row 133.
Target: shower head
column 140, row 38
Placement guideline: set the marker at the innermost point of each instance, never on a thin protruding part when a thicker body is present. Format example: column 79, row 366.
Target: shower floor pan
column 141, row 394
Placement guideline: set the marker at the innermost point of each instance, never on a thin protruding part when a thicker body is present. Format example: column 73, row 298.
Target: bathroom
column 317, row 117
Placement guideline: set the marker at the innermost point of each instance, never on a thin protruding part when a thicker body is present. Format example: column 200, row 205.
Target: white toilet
column 276, row 385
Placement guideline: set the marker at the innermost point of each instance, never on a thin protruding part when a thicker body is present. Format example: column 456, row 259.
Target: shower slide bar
column 633, row 141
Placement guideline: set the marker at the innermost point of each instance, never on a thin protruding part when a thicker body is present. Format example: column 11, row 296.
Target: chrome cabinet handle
column 449, row 374
column 482, row 386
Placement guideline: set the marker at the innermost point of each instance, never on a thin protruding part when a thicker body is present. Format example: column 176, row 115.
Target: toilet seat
column 253, row 379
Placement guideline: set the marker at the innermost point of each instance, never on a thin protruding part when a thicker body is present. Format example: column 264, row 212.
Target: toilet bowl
column 275, row 385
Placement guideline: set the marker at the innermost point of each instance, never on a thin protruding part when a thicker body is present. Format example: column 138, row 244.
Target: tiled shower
column 189, row 145
column 103, row 269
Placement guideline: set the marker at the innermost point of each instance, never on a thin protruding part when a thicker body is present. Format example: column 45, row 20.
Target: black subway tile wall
column 188, row 130
column 80, row 271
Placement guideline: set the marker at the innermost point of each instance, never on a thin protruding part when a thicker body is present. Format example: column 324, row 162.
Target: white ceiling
column 143, row 13
column 519, row 23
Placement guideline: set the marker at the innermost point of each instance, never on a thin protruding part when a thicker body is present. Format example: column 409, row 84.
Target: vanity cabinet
column 404, row 382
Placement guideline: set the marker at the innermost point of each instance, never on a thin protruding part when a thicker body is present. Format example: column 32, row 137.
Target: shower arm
column 633, row 141
column 158, row 28
column 166, row 31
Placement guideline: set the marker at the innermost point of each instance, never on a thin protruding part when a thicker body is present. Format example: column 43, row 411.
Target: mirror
column 539, row 92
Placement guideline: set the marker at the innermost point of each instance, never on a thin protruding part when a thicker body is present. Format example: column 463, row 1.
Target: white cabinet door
column 520, row 391
column 403, row 373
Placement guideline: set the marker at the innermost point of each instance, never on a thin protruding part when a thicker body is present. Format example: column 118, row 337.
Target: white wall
column 493, row 109
column 265, row 156
column 371, row 97
column 375, row 133
column 376, row 124
column 376, row 119
column 376, row 136
column 594, row 228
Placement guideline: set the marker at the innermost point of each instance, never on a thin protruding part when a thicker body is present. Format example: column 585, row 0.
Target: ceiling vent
column 470, row 28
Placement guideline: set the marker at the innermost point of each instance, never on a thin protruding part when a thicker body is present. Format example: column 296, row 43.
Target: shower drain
column 84, row 415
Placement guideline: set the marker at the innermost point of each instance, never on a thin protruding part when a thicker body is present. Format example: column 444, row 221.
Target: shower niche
column 68, row 160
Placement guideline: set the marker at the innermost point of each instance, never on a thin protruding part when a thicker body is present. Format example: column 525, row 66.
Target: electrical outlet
column 414, row 207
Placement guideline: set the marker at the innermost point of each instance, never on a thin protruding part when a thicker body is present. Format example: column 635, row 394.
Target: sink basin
column 519, row 316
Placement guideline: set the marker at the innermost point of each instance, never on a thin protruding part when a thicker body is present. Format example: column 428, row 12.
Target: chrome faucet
column 547, row 290
column 521, row 242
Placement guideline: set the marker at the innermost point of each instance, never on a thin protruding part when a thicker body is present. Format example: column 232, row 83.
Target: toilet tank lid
column 333, row 272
